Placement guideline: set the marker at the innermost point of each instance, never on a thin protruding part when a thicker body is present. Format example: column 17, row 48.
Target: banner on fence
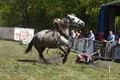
column 98, row 45
column 24, row 35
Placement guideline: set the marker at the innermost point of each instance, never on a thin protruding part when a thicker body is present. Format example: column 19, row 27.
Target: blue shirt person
column 111, row 38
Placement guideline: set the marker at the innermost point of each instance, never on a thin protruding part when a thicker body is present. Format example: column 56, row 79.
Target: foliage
column 117, row 24
column 38, row 14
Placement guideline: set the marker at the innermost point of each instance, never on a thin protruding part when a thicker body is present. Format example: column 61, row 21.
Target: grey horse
column 55, row 38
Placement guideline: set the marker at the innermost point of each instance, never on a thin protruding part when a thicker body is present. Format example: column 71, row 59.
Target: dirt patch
column 55, row 58
column 101, row 64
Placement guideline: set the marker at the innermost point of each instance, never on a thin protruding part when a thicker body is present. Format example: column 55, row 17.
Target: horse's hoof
column 63, row 61
column 62, row 55
column 46, row 62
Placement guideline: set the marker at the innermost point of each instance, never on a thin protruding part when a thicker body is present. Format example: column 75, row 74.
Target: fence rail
column 81, row 45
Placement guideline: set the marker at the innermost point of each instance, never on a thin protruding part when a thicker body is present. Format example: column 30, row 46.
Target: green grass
column 12, row 69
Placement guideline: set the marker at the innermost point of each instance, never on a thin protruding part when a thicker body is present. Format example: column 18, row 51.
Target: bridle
column 78, row 21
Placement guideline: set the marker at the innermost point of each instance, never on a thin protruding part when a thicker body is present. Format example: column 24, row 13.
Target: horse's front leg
column 66, row 51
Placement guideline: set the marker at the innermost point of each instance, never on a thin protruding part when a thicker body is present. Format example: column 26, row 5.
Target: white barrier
column 7, row 33
column 24, row 35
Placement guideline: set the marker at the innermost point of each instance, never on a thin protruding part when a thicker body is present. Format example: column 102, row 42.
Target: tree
column 39, row 14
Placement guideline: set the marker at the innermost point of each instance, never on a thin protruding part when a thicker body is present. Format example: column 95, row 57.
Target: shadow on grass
column 25, row 60
column 28, row 61
column 33, row 61
column 56, row 58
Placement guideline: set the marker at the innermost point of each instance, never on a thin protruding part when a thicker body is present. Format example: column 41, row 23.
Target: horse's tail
column 29, row 47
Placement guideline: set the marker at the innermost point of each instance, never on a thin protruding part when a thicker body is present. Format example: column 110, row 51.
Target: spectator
column 72, row 37
column 115, row 51
column 81, row 35
column 117, row 39
column 91, row 36
column 77, row 41
column 77, row 35
column 111, row 38
column 73, row 34
column 100, row 36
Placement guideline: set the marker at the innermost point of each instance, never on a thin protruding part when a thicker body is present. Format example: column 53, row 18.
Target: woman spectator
column 77, row 35
column 72, row 37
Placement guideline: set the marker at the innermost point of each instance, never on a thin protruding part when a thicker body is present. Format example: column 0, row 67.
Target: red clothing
column 83, row 58
column 100, row 37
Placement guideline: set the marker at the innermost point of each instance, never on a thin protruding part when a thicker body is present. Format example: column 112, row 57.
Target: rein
column 78, row 22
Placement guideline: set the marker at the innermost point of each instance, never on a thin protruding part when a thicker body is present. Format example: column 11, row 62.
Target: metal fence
column 107, row 51
column 7, row 33
column 81, row 45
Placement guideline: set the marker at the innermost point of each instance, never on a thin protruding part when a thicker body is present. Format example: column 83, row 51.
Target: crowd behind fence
column 87, row 42
column 107, row 51
column 81, row 44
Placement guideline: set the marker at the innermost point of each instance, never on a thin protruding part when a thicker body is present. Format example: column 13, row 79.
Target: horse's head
column 75, row 21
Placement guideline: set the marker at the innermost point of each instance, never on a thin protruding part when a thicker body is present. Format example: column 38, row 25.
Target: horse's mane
column 64, row 22
column 60, row 24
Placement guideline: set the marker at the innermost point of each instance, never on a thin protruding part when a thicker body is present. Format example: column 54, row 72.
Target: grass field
column 11, row 68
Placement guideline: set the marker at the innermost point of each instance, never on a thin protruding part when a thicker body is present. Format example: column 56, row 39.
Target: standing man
column 111, row 38
column 91, row 36
column 89, row 40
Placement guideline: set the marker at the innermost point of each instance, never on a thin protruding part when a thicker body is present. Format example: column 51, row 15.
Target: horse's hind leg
column 66, row 55
column 41, row 57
